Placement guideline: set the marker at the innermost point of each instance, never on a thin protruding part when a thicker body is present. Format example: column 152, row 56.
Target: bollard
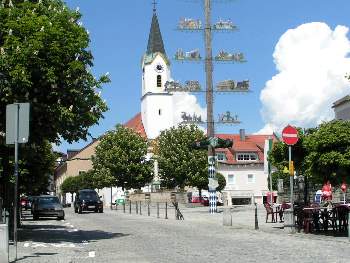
column 166, row 210
column 116, row 206
column 157, row 210
column 227, row 217
column 129, row 207
column 124, row 206
column 256, row 217
column 137, row 207
column 149, row 212
column 289, row 227
column 140, row 208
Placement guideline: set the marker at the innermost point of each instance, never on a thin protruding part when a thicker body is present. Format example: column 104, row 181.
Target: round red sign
column 290, row 135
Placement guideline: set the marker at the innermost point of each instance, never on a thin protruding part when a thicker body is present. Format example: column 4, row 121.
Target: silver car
column 47, row 206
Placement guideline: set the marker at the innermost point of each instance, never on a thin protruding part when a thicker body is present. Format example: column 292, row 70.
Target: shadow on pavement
column 61, row 234
column 36, row 255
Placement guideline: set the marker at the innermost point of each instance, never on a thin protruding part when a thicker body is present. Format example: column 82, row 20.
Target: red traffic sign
column 290, row 135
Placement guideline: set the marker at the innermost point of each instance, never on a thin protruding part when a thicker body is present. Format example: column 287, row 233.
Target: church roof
column 155, row 40
column 136, row 124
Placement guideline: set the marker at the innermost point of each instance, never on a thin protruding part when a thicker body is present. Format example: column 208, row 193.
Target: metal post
column 124, row 206
column 166, row 210
column 129, row 207
column 111, row 199
column 140, row 208
column 256, row 217
column 137, row 207
column 16, row 184
column 157, row 210
column 149, row 212
column 291, row 181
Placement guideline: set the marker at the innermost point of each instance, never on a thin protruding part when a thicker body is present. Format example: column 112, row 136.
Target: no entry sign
column 290, row 135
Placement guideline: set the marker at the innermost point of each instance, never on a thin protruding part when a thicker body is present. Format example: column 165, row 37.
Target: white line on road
column 92, row 254
column 26, row 244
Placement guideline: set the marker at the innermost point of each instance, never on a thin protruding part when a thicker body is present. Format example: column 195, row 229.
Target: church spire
column 155, row 41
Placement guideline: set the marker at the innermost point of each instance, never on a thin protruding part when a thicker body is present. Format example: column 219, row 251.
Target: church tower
column 156, row 103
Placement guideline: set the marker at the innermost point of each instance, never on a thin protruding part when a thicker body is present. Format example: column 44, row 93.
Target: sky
column 296, row 52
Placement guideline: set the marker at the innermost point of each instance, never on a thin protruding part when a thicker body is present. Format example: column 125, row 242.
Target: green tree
column 44, row 60
column 221, row 181
column 329, row 152
column 179, row 163
column 121, row 159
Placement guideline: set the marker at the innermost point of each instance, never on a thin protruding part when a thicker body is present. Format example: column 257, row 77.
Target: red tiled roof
column 252, row 143
column 136, row 124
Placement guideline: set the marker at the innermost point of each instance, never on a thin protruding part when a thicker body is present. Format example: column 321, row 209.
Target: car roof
column 87, row 190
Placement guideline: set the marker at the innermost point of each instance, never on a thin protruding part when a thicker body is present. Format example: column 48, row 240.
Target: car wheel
column 100, row 210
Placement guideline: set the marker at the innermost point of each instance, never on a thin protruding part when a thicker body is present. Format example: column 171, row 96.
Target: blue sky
column 119, row 33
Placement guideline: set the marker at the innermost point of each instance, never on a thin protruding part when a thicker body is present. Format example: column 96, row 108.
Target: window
column 82, row 172
column 231, row 179
column 160, row 112
column 221, row 156
column 159, row 81
column 247, row 157
column 251, row 178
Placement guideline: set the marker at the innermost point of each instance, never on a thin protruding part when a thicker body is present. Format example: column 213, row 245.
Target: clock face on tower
column 159, row 68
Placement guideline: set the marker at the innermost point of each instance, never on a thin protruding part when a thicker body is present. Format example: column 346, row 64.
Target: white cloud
column 185, row 102
column 312, row 63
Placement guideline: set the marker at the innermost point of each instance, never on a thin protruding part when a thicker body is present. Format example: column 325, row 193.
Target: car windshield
column 48, row 200
column 89, row 196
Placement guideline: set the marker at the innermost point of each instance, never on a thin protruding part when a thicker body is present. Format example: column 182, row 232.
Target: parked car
column 204, row 200
column 47, row 206
column 87, row 200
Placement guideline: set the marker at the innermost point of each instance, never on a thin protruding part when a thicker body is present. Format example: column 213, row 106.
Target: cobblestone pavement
column 117, row 237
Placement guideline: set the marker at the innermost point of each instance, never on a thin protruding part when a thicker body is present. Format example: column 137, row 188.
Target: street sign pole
column 291, row 180
column 17, row 131
column 16, row 181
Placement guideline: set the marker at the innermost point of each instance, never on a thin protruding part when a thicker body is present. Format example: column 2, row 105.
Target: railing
column 147, row 208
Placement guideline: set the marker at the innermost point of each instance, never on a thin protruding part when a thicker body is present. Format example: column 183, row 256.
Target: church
column 242, row 165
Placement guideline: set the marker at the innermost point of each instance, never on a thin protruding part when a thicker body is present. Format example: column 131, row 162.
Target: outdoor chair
column 269, row 211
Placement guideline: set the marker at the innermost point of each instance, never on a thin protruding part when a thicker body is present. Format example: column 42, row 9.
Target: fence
column 164, row 210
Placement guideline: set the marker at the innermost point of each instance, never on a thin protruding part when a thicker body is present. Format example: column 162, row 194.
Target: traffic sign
column 290, row 135
column 17, row 123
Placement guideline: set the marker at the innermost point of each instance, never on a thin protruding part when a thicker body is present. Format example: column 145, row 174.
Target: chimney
column 242, row 134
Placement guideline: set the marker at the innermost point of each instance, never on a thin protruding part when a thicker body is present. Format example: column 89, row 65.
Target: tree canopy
column 121, row 154
column 179, row 163
column 321, row 153
column 44, row 60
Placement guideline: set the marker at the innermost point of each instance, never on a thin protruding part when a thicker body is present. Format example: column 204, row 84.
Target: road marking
column 55, row 245
column 92, row 254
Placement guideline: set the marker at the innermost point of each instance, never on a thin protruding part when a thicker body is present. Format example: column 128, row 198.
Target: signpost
column 290, row 137
column 17, row 131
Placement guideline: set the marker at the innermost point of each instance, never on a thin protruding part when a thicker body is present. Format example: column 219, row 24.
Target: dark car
column 47, row 206
column 87, row 200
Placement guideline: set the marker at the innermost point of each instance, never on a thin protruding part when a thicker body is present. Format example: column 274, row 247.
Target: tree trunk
column 200, row 194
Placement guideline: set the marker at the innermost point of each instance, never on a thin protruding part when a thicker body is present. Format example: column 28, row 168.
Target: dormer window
column 159, row 81
column 246, row 157
column 221, row 156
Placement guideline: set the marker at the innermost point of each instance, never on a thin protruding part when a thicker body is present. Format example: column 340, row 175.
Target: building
column 243, row 167
column 342, row 108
